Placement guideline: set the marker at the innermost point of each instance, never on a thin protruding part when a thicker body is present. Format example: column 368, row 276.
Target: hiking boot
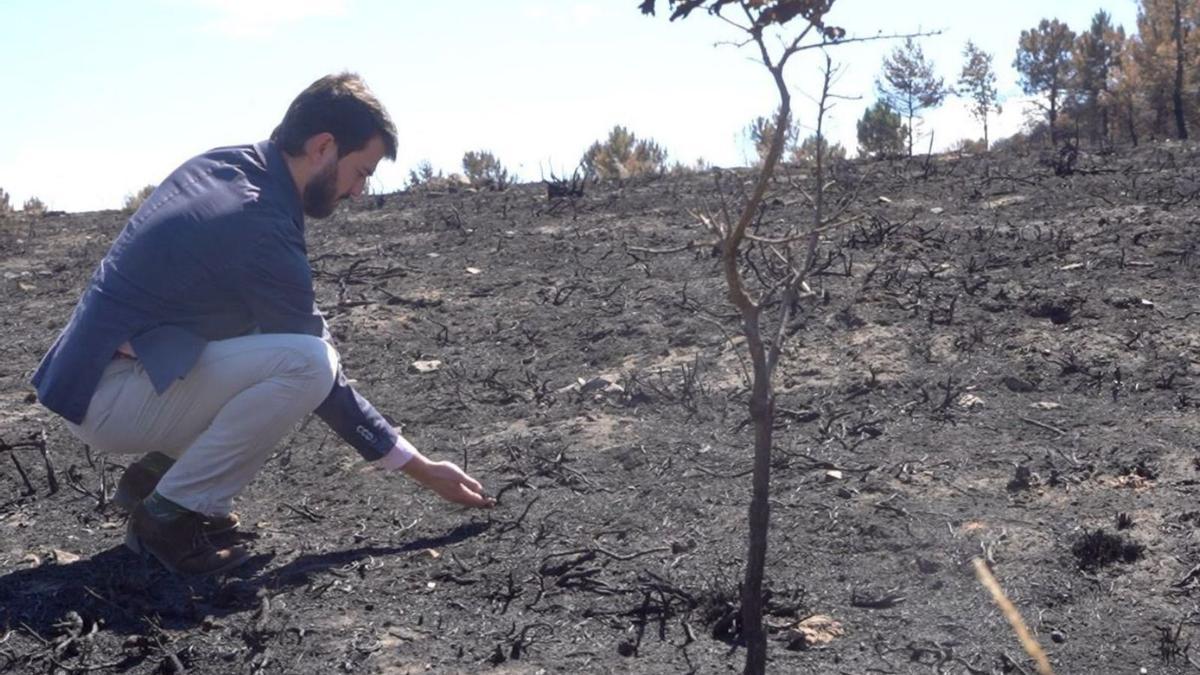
column 138, row 482
column 180, row 545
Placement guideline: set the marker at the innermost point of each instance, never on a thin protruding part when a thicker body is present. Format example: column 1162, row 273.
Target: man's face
column 340, row 179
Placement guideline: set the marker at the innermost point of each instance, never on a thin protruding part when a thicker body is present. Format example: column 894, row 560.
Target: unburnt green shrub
column 134, row 201
column 34, row 207
column 484, row 171
column 623, row 155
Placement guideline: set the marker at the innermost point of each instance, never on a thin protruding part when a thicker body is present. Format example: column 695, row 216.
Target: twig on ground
column 1043, row 425
column 304, row 512
column 517, row 523
column 718, row 474
column 600, row 549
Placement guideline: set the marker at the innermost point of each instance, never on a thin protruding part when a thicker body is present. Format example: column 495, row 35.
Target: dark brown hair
column 341, row 105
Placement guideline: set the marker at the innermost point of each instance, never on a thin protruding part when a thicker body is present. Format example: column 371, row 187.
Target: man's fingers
column 473, row 485
column 456, row 486
column 466, row 480
column 468, row 497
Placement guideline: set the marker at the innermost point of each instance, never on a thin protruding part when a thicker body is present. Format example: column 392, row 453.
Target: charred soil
column 994, row 361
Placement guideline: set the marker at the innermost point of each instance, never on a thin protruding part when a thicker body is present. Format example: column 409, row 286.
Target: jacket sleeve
column 278, row 290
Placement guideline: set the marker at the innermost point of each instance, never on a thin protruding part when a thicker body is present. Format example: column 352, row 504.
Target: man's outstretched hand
column 448, row 481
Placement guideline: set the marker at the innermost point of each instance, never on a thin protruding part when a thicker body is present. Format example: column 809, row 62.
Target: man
column 198, row 344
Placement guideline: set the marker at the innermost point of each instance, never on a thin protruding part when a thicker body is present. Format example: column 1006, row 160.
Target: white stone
column 425, row 366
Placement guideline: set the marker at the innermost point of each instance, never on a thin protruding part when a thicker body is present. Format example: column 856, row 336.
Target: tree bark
column 1054, row 115
column 1131, row 125
column 762, row 406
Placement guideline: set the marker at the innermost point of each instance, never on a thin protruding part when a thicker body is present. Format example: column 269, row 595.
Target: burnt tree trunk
column 1131, row 125
column 762, row 413
column 1054, row 114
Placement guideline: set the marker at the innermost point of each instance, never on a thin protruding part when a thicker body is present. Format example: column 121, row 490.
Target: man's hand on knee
column 448, row 481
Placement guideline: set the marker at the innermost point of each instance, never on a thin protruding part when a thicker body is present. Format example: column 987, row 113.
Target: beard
column 320, row 196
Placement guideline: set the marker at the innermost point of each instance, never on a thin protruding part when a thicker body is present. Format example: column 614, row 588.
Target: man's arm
column 278, row 290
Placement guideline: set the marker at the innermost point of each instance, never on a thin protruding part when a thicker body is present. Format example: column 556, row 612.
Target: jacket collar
column 281, row 179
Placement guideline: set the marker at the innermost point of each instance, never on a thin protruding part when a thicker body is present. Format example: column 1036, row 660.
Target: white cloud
column 261, row 18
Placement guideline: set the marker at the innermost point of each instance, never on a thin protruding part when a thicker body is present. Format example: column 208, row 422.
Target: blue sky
column 104, row 97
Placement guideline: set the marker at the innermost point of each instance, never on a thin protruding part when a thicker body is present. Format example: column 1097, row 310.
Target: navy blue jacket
column 217, row 251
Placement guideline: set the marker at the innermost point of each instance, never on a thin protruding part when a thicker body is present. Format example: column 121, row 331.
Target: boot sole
column 133, row 543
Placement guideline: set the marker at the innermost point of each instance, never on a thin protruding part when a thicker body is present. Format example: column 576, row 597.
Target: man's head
column 333, row 136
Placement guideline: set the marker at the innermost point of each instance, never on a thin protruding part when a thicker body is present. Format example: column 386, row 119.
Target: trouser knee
column 315, row 362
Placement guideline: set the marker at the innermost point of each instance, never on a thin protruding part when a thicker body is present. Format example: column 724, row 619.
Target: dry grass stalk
column 1010, row 612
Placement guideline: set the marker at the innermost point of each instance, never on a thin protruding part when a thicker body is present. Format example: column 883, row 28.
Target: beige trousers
column 220, row 422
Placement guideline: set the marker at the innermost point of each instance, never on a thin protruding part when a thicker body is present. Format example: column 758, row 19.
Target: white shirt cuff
column 399, row 455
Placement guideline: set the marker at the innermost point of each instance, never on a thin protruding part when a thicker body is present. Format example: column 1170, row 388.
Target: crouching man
column 198, row 344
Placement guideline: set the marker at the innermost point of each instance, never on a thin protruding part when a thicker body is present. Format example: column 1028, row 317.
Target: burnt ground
column 996, row 361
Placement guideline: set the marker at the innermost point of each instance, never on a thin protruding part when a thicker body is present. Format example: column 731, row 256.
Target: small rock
column 926, row 566
column 844, row 493
column 614, row 389
column 425, row 366
column 136, row 642
column 64, row 557
column 1120, row 299
column 883, row 200
column 832, row 475
column 474, row 270
column 937, row 210
column 1045, row 405
column 1023, row 479
column 594, row 384
column 969, row 401
column 815, row 631
column 1057, row 636
column 1019, row 385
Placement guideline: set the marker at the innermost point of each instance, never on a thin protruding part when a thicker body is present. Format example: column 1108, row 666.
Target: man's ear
column 320, row 146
